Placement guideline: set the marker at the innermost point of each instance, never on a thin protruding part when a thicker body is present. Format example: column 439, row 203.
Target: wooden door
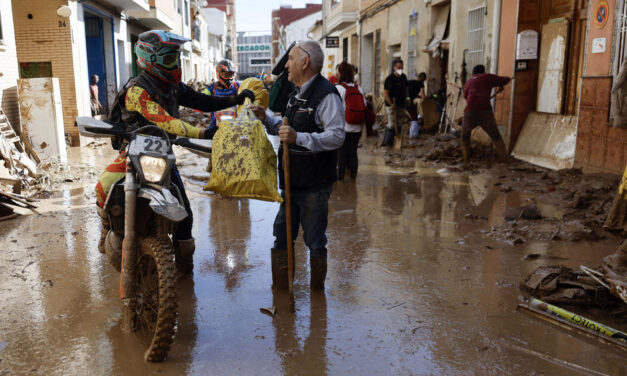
column 575, row 56
column 551, row 77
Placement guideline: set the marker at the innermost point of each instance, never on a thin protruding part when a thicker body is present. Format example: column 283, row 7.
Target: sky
column 255, row 15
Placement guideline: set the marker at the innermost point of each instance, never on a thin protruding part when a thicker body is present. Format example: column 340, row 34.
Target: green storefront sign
column 253, row 47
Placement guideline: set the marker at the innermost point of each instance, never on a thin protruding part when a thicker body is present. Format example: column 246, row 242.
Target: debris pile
column 195, row 118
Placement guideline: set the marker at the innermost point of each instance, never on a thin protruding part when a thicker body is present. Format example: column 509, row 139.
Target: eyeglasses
column 304, row 50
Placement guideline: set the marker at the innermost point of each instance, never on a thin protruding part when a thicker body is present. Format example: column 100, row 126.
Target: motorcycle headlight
column 153, row 168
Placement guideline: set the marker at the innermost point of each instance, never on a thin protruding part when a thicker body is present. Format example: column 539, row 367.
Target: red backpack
column 355, row 105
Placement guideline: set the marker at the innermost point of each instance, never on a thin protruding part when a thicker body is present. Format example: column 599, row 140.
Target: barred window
column 412, row 45
column 474, row 38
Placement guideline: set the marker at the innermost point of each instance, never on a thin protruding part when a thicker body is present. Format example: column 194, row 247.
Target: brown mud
column 417, row 285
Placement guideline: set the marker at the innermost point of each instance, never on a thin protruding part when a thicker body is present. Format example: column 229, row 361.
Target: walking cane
column 288, row 221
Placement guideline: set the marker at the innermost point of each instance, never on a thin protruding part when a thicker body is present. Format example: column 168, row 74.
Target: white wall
column 8, row 66
column 298, row 29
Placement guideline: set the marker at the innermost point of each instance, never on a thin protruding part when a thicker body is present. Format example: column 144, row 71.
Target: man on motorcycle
column 225, row 86
column 154, row 97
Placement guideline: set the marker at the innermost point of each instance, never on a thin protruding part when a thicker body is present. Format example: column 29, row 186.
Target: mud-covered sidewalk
column 425, row 263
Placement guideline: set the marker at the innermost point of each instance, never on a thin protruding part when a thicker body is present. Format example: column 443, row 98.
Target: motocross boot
column 501, row 150
column 184, row 254
column 113, row 249
column 106, row 225
column 318, row 273
column 617, row 261
column 280, row 275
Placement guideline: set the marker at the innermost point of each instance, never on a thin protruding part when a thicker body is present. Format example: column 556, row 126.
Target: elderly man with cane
column 311, row 132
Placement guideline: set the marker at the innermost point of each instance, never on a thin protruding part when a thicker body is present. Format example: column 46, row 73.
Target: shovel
column 398, row 136
column 288, row 222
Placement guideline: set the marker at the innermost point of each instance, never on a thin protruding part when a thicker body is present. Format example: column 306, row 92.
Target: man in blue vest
column 314, row 132
column 225, row 86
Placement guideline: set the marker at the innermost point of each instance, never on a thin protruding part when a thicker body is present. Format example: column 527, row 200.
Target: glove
column 241, row 97
column 208, row 133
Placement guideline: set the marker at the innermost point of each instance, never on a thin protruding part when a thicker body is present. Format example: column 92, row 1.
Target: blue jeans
column 309, row 209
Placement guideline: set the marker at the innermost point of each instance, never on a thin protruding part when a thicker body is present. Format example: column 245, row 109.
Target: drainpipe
column 496, row 36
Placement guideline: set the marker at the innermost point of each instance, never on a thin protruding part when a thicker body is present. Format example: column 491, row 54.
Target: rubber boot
column 318, row 272
column 466, row 153
column 617, row 261
column 106, row 225
column 113, row 249
column 280, row 275
column 501, row 150
column 184, row 254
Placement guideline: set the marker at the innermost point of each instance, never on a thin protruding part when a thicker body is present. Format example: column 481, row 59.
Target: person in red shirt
column 478, row 111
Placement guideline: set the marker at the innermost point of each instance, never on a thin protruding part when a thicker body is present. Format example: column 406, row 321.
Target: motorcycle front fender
column 164, row 203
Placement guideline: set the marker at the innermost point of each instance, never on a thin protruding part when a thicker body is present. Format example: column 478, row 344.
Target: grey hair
column 316, row 59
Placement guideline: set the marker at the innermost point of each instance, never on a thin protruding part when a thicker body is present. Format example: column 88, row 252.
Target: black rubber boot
column 184, row 254
column 318, row 272
column 279, row 269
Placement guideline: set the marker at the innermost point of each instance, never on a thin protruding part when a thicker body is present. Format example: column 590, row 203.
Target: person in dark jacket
column 314, row 132
column 478, row 111
column 154, row 98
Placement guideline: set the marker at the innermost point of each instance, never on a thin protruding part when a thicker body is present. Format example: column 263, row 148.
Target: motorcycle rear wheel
column 156, row 307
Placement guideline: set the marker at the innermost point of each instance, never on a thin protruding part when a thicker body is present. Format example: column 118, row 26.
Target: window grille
column 377, row 62
column 621, row 37
column 412, row 45
column 474, row 38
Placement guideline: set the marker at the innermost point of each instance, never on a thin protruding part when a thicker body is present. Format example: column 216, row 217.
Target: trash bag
column 256, row 86
column 414, row 129
column 280, row 93
column 243, row 161
column 388, row 137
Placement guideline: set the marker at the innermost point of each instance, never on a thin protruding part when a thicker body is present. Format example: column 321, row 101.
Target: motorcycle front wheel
column 156, row 307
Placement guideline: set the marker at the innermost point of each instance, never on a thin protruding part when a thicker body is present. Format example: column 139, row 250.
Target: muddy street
column 416, row 286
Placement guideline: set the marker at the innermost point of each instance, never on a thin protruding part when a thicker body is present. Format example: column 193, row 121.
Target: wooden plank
column 551, row 77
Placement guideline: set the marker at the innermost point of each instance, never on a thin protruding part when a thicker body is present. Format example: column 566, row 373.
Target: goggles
column 168, row 59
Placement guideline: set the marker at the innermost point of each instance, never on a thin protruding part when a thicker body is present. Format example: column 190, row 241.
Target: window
column 186, row 13
column 474, row 38
column 35, row 70
column 1, row 37
column 345, row 49
column 377, row 63
column 621, row 37
column 412, row 45
column 178, row 6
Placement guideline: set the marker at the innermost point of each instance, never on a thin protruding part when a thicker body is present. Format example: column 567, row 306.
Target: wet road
column 414, row 287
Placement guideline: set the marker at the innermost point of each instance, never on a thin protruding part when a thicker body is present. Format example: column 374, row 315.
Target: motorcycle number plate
column 148, row 144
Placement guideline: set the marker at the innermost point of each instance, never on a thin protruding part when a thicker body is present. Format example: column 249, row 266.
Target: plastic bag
column 256, row 86
column 414, row 129
column 243, row 161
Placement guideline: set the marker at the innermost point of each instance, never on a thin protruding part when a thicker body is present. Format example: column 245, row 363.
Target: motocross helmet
column 225, row 71
column 158, row 53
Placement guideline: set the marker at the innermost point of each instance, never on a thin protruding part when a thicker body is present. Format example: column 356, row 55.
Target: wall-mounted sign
column 246, row 48
column 522, row 65
column 601, row 14
column 333, row 42
column 598, row 45
column 259, row 61
column 527, row 45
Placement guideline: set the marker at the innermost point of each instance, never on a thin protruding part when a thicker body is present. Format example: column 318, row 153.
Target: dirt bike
column 143, row 209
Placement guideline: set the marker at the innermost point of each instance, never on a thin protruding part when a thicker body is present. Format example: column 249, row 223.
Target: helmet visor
column 170, row 60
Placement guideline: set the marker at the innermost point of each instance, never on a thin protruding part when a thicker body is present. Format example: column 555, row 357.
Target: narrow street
column 415, row 286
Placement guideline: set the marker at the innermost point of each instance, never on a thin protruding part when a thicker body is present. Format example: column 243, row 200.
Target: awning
column 441, row 24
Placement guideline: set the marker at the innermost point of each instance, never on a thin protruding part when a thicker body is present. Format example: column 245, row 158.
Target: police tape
column 572, row 321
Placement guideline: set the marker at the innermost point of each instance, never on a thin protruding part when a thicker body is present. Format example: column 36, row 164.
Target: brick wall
column 45, row 38
column 8, row 67
column 599, row 147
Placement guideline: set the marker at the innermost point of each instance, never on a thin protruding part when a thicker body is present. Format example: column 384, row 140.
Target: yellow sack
column 243, row 160
column 256, row 86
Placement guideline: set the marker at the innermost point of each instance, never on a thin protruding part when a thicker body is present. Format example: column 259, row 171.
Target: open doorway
column 96, row 65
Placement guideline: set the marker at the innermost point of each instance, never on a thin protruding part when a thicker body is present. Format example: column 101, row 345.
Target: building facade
column 8, row 66
column 254, row 51
column 281, row 18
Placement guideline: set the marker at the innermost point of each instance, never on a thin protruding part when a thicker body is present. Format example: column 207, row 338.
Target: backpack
column 355, row 105
column 280, row 93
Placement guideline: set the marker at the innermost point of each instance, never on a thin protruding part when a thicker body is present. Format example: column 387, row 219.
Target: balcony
column 341, row 15
column 154, row 18
column 130, row 5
